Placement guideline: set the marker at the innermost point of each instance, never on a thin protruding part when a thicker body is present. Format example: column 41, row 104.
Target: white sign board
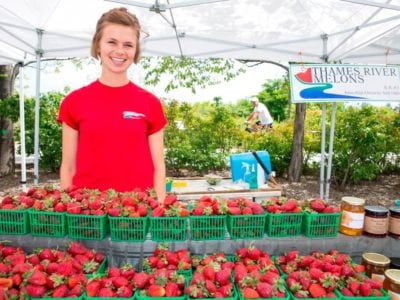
column 338, row 83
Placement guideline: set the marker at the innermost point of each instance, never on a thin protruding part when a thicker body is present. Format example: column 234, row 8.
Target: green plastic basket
column 43, row 223
column 110, row 298
column 168, row 229
column 385, row 296
column 140, row 297
column 246, row 226
column 284, row 224
column 321, row 225
column 207, row 227
column 87, row 227
column 123, row 229
column 14, row 222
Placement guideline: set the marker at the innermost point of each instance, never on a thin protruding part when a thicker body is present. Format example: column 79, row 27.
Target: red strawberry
column 354, row 286
column 209, row 272
column 172, row 289
column 37, row 278
column 76, row 248
column 264, row 289
column 36, row 291
column 106, row 292
column 316, row 290
column 250, row 293
column 346, row 292
column 140, row 280
column 60, row 291
column 317, row 204
column 223, row 276
column 120, row 281
column 155, row 290
column 125, row 292
column 92, row 288
column 234, row 210
column 365, row 289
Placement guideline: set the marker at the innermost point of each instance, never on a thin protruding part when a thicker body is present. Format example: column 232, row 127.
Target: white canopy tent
column 358, row 31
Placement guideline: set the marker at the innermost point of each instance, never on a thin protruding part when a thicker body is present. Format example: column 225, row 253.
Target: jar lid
column 377, row 209
column 395, row 209
column 376, row 259
column 395, row 262
column 393, row 275
column 354, row 200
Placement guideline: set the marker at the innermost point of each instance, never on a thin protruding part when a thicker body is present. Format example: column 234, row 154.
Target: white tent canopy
column 285, row 30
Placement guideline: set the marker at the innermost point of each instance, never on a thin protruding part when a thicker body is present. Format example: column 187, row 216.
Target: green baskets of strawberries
column 168, row 222
column 87, row 227
column 246, row 219
column 127, row 229
column 45, row 223
column 320, row 218
column 207, row 219
column 14, row 221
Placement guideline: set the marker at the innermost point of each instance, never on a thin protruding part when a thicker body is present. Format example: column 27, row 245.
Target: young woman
column 112, row 130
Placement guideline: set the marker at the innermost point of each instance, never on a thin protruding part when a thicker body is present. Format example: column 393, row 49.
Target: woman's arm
column 68, row 162
column 156, row 143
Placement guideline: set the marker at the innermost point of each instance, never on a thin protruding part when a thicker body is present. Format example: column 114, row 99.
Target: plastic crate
column 284, row 224
column 246, row 226
column 321, row 225
column 168, row 229
column 43, row 223
column 14, row 222
column 385, row 296
column 123, row 229
column 87, row 227
column 207, row 227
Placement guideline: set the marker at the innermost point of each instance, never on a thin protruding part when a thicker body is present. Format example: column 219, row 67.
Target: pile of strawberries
column 318, row 274
column 46, row 272
column 211, row 277
column 318, row 205
column 208, row 206
column 256, row 275
column 277, row 205
column 244, row 206
column 170, row 208
column 163, row 258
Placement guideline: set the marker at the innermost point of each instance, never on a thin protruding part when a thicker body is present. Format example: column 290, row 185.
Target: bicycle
column 257, row 127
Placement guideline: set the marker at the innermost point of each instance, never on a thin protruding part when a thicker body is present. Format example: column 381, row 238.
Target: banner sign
column 339, row 83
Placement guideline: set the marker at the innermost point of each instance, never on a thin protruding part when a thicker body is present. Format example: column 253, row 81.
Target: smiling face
column 117, row 50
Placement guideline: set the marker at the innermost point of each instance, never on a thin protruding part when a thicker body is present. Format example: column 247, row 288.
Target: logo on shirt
column 132, row 115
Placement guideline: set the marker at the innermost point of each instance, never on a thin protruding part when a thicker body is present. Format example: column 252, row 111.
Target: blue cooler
column 242, row 164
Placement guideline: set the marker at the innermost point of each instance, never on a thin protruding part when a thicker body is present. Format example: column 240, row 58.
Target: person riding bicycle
column 261, row 113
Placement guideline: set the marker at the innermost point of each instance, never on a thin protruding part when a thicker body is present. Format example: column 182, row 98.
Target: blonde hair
column 120, row 16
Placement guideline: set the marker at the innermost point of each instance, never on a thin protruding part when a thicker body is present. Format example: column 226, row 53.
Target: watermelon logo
column 305, row 76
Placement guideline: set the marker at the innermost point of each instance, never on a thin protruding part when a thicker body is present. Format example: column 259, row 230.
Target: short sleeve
column 157, row 119
column 66, row 114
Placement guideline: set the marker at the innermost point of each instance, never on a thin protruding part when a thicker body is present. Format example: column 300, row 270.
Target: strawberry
column 140, row 280
column 92, row 288
column 155, row 290
column 36, row 291
column 315, row 273
column 226, row 290
column 209, row 272
column 76, row 248
column 354, row 286
column 264, row 289
column 316, row 290
column 120, row 281
column 172, row 289
column 106, row 292
column 37, row 277
column 317, row 205
column 223, row 276
column 60, row 291
column 125, row 292
column 346, row 292
column 250, row 293
column 365, row 289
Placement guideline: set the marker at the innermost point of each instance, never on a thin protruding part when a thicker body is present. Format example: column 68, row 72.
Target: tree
column 7, row 156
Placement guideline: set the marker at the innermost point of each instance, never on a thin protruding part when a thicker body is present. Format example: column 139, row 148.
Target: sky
column 243, row 86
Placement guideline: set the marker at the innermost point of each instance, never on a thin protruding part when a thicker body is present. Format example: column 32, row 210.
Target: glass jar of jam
column 392, row 283
column 376, row 221
column 353, row 212
column 394, row 222
column 375, row 265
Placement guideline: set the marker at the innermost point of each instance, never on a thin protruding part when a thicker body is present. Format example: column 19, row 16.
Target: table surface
column 192, row 189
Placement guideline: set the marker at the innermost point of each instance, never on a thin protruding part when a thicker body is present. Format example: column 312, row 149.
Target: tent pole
column 322, row 169
column 22, row 125
column 331, row 138
column 39, row 53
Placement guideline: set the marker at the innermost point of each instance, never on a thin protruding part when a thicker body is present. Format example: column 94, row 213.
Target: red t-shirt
column 114, row 124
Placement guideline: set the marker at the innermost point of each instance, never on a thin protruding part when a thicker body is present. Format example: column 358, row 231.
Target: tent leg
column 39, row 53
column 22, row 129
column 322, row 168
column 331, row 138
